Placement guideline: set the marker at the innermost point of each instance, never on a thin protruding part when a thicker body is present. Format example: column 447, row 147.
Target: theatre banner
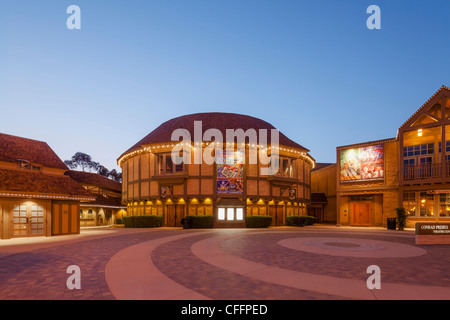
column 361, row 164
column 230, row 169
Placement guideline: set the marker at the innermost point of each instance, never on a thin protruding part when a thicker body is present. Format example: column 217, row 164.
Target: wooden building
column 367, row 183
column 36, row 198
column 107, row 206
column 153, row 184
column 411, row 171
column 323, row 193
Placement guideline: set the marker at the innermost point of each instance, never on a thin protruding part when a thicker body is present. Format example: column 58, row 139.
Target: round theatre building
column 219, row 174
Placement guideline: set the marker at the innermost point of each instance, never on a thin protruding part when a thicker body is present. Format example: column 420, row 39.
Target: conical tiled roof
column 211, row 120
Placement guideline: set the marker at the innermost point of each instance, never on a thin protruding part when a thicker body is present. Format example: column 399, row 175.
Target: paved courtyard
column 309, row 263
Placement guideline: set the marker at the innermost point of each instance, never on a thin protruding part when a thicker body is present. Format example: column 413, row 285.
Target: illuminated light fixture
column 419, row 132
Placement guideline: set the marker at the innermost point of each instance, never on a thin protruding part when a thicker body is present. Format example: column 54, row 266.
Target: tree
column 103, row 171
column 82, row 160
column 85, row 162
column 117, row 176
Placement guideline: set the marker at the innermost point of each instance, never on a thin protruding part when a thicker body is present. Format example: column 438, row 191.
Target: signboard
column 163, row 192
column 432, row 228
column 230, row 172
column 361, row 164
column 432, row 233
column 292, row 194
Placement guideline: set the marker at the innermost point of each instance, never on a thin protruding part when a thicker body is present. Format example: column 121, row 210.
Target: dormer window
column 27, row 165
column 23, row 164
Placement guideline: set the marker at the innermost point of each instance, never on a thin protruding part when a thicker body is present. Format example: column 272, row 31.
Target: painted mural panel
column 361, row 164
column 230, row 172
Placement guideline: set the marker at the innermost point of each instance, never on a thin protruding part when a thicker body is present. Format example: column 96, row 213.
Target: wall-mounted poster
column 361, row 164
column 230, row 174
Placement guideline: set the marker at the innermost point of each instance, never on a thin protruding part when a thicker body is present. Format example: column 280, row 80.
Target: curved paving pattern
column 351, row 247
column 209, row 250
column 239, row 264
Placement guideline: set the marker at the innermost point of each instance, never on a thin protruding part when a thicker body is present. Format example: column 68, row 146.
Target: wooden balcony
column 428, row 172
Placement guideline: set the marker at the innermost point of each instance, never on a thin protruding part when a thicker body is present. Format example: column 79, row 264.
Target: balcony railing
column 426, row 171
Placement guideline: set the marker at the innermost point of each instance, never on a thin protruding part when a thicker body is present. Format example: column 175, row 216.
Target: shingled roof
column 217, row 120
column 94, row 179
column 28, row 183
column 14, row 148
column 102, row 201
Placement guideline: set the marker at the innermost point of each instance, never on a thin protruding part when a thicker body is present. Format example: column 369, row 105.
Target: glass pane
column 239, row 214
column 169, row 164
column 180, row 167
column 230, row 213
column 444, row 205
column 426, row 204
column 161, row 164
column 221, row 214
column 409, row 203
column 285, row 167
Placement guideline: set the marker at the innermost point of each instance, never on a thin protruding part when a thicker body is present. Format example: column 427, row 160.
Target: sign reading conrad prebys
column 432, row 233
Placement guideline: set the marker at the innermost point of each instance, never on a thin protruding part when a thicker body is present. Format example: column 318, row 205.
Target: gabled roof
column 26, row 183
column 94, row 179
column 442, row 91
column 13, row 148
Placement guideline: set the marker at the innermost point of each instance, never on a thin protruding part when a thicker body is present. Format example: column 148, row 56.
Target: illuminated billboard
column 230, row 172
column 361, row 164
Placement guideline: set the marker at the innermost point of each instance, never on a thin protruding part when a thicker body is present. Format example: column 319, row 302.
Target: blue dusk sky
column 310, row 68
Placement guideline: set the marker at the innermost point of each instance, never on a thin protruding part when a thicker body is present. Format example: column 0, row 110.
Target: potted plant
column 401, row 218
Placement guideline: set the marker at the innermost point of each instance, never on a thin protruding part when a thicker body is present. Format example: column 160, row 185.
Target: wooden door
column 280, row 215
column 273, row 214
column 20, row 221
column 171, row 216
column 277, row 213
column 28, row 220
column 174, row 215
column 180, row 214
column 65, row 217
column 316, row 212
column 361, row 213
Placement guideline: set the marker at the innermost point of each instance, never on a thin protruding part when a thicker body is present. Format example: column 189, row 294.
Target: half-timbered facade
column 424, row 156
column 152, row 184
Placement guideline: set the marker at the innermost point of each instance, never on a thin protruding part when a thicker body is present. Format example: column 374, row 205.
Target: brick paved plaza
column 309, row 263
